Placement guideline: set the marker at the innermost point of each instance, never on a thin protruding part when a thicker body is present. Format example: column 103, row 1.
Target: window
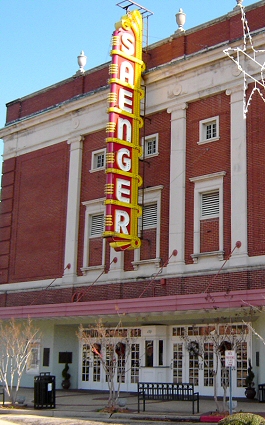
column 135, row 363
column 85, row 362
column 160, row 352
column 210, row 204
column 209, row 130
column 94, row 244
column 208, row 216
column 149, row 228
column 149, row 350
column 46, row 357
column 177, row 363
column 98, row 160
column 149, row 216
column 97, row 225
column 150, row 145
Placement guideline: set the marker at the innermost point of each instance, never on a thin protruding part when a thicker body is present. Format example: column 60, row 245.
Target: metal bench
column 167, row 392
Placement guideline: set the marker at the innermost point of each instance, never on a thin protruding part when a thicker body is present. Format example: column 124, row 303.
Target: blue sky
column 41, row 39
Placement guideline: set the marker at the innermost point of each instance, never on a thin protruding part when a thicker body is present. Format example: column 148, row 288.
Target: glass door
column 198, row 357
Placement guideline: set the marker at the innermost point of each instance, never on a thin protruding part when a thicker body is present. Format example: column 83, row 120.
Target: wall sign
column 123, row 134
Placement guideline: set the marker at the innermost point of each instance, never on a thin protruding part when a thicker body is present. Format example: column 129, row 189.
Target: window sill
column 218, row 254
column 142, row 263
column 94, row 170
column 151, row 155
column 202, row 142
column 85, row 270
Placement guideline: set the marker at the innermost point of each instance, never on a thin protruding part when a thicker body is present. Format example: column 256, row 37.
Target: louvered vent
column 150, row 216
column 210, row 204
column 97, row 225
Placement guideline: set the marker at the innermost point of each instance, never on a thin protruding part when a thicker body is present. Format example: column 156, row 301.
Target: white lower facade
column 163, row 354
column 154, row 353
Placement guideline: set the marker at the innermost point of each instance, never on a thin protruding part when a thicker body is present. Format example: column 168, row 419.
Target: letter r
column 122, row 220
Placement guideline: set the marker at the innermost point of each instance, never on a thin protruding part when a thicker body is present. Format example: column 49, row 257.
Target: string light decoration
column 241, row 58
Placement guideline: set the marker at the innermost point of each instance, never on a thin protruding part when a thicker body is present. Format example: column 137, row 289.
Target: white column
column 238, row 172
column 73, row 208
column 177, row 184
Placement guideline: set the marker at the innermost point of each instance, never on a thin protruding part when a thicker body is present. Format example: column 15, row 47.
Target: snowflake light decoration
column 240, row 56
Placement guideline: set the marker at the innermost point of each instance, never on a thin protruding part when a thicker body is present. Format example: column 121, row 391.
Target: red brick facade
column 35, row 185
column 35, row 239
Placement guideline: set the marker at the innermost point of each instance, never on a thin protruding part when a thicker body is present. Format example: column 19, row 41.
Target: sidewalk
column 88, row 405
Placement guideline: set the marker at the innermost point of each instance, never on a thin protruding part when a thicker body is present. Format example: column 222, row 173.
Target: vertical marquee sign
column 123, row 134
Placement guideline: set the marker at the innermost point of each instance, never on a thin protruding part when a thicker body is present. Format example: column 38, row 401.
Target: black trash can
column 44, row 391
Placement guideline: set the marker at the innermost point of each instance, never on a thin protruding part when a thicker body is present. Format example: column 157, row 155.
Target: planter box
column 212, row 417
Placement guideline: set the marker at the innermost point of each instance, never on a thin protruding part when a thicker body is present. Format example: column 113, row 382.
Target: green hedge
column 243, row 419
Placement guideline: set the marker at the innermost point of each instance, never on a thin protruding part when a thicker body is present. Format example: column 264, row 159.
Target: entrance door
column 93, row 376
column 91, row 372
column 200, row 360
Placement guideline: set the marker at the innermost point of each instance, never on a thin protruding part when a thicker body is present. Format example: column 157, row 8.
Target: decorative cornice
column 208, row 176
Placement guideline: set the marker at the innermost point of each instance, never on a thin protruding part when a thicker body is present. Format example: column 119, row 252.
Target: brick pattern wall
column 208, row 36
column 73, row 87
column 256, row 175
column 156, row 171
column 207, row 159
column 95, row 251
column 6, row 207
column 35, row 247
column 225, row 30
column 224, row 282
column 209, row 235
column 128, row 259
column 148, row 248
column 39, row 214
column 92, row 187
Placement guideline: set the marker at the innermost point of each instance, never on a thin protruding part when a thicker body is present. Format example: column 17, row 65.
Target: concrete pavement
column 89, row 405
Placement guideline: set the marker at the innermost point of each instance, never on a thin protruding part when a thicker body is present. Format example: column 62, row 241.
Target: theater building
column 199, row 202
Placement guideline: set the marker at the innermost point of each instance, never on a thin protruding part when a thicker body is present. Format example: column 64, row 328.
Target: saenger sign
column 123, row 134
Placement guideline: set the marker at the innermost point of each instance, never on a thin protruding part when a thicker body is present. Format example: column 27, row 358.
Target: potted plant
column 66, row 377
column 250, row 385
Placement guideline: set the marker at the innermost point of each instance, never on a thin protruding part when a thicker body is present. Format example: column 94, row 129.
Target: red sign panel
column 123, row 128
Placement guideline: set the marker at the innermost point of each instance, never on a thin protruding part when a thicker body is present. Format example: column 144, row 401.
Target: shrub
column 65, row 373
column 243, row 419
column 250, row 376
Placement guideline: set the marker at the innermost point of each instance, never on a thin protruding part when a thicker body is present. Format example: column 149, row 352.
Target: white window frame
column 94, row 160
column 145, row 141
column 94, row 207
column 205, row 184
column 151, row 196
column 203, row 128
